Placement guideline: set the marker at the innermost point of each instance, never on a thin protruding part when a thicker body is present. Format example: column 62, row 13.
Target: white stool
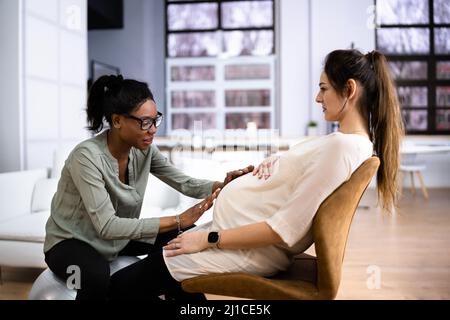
column 411, row 169
column 49, row 287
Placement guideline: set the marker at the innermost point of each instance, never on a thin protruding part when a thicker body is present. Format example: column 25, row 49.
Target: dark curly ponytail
column 112, row 94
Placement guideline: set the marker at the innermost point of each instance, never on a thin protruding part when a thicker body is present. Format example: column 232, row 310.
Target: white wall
column 309, row 29
column 55, row 77
column 138, row 49
column 336, row 24
column 294, row 66
column 10, row 105
column 43, row 104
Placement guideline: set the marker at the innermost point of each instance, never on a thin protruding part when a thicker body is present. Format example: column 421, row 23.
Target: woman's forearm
column 249, row 236
column 167, row 224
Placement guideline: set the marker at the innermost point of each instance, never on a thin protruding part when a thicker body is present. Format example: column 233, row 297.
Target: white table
column 410, row 151
column 415, row 149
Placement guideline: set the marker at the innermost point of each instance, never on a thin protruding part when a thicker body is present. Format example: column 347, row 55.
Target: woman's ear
column 352, row 88
column 116, row 121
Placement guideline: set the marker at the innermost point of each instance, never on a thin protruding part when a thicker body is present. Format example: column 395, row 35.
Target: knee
column 120, row 287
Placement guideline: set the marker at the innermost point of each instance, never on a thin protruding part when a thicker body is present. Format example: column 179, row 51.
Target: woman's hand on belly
column 266, row 168
column 188, row 242
column 236, row 174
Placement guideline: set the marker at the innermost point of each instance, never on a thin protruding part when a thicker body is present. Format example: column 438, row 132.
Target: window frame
column 219, row 85
column 431, row 59
column 219, row 22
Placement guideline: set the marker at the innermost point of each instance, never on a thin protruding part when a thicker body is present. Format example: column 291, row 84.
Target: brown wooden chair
column 309, row 277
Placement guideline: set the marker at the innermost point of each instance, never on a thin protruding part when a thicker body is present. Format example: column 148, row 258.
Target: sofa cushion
column 16, row 192
column 43, row 194
column 29, row 227
column 19, row 254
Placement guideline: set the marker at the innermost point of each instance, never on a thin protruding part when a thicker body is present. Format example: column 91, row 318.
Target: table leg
column 413, row 188
column 422, row 184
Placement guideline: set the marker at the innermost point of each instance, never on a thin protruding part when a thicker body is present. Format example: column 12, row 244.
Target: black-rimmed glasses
column 147, row 123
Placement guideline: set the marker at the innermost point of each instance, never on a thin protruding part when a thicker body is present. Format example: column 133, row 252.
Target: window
column 220, row 64
column 415, row 37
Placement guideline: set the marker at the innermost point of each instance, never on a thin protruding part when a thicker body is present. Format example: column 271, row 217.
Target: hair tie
column 370, row 58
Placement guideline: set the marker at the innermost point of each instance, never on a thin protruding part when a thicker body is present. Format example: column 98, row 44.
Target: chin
column 146, row 146
column 330, row 119
column 143, row 146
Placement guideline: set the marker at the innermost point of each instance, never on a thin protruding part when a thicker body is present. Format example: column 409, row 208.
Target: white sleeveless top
column 302, row 179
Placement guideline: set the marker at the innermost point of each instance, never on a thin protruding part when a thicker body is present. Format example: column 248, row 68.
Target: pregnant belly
column 248, row 200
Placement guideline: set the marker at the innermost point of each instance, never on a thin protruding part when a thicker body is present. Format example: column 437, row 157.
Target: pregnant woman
column 260, row 224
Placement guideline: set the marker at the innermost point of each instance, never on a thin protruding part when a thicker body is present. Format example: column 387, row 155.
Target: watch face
column 213, row 237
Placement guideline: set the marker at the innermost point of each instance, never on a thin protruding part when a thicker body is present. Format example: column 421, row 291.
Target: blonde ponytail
column 388, row 130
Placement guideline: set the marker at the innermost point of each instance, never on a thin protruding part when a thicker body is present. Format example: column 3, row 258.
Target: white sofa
column 23, row 213
column 25, row 199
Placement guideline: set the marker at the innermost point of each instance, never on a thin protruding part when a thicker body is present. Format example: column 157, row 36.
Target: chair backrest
column 332, row 223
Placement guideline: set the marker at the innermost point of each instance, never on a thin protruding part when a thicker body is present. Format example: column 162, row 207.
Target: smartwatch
column 213, row 239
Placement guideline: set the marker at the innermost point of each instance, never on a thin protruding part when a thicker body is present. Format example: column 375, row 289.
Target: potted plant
column 311, row 128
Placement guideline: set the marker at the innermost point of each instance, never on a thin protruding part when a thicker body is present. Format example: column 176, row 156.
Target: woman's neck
column 117, row 148
column 353, row 123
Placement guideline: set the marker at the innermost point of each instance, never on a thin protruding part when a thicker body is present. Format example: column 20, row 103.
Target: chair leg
column 413, row 188
column 422, row 184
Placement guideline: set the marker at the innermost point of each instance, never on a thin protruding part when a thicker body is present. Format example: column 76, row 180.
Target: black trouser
column 145, row 279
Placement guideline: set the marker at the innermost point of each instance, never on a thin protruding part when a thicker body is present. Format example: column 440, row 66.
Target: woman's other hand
column 191, row 215
column 231, row 176
column 188, row 242
column 266, row 168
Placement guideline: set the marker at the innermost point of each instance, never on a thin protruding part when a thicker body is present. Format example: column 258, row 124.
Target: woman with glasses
column 95, row 210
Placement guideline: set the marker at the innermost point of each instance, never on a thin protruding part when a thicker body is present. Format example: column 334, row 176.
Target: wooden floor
column 405, row 256
column 410, row 250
